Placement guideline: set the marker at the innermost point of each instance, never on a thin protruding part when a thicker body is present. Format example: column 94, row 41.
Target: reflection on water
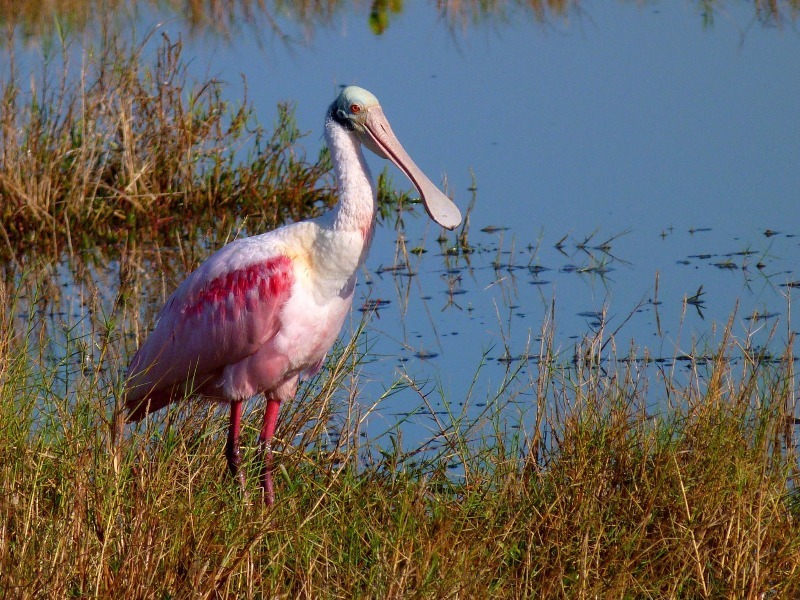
column 280, row 17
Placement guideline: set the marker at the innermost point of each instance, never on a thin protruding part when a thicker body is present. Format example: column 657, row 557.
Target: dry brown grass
column 603, row 494
column 134, row 149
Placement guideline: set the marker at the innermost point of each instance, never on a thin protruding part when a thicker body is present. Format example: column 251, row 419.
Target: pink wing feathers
column 222, row 313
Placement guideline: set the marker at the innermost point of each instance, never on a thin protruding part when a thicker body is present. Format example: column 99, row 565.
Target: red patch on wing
column 272, row 279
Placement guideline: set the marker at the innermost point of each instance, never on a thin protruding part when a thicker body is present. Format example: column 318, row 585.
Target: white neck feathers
column 356, row 208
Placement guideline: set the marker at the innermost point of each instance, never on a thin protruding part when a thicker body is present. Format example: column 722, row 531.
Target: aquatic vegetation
column 600, row 491
column 131, row 150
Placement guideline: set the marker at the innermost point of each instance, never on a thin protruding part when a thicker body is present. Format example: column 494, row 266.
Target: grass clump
column 600, row 492
column 128, row 145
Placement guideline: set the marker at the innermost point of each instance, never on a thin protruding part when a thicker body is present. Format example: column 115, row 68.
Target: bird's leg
column 232, row 447
column 264, row 443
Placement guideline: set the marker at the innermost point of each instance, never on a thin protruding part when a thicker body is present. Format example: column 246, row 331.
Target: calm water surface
column 615, row 148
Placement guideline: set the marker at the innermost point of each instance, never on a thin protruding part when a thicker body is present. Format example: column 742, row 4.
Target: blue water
column 676, row 141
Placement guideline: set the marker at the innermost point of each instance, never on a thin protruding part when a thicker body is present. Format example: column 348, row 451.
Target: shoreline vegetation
column 130, row 149
column 600, row 493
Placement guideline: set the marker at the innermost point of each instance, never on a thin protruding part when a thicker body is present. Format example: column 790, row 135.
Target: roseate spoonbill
column 264, row 310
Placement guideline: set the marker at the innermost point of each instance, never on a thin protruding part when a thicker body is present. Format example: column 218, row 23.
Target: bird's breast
column 325, row 263
column 311, row 322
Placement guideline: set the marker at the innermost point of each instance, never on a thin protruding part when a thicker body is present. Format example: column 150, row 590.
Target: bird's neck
column 356, row 208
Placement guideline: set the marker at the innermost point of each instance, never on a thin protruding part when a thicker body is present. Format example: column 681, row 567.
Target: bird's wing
column 223, row 312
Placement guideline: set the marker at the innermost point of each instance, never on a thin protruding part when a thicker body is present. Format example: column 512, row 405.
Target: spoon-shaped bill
column 440, row 208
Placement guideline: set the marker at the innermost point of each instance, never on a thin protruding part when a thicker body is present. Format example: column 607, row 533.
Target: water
column 626, row 159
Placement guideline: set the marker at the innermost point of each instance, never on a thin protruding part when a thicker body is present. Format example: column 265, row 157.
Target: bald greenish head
column 360, row 112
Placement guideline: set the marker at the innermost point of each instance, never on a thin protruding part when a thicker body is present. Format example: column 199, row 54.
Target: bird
column 263, row 311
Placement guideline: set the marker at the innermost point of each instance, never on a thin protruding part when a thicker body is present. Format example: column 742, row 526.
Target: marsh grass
column 126, row 146
column 600, row 492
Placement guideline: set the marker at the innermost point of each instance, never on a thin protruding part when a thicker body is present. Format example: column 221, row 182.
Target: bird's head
column 352, row 110
column 360, row 112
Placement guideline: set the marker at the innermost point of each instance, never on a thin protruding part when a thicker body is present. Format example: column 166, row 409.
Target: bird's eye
column 355, row 108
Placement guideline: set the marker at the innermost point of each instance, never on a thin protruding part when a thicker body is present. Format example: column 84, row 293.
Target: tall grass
column 127, row 145
column 604, row 492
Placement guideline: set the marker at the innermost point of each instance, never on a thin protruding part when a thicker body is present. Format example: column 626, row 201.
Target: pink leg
column 264, row 441
column 232, row 447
